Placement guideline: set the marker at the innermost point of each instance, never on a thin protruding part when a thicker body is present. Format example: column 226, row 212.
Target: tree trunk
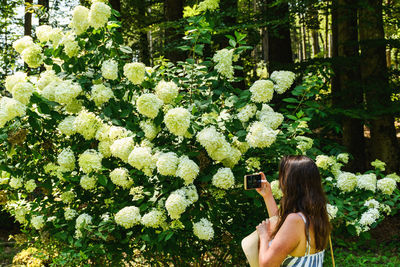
column 144, row 53
column 279, row 43
column 347, row 92
column 115, row 4
column 28, row 20
column 173, row 11
column 326, row 47
column 384, row 145
column 303, row 38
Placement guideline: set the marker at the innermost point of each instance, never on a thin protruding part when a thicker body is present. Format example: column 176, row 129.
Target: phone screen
column 252, row 181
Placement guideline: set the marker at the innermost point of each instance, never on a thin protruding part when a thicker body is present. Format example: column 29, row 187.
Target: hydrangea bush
column 104, row 156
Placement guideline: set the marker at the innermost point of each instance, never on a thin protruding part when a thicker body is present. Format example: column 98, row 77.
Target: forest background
column 351, row 48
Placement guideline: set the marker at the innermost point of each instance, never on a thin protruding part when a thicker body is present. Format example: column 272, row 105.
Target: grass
column 356, row 255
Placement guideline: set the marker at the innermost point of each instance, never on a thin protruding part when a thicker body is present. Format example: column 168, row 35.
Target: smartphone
column 252, row 181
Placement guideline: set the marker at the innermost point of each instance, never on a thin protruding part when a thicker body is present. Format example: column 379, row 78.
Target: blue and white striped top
column 308, row 260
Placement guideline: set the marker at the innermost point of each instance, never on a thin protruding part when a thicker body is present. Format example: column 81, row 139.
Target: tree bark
column 347, row 94
column 144, row 52
column 28, row 20
column 384, row 144
column 173, row 11
column 280, row 54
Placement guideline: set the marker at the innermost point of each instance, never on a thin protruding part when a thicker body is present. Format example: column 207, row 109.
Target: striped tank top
column 308, row 260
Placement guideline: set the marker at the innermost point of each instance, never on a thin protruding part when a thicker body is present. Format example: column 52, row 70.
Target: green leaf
column 291, row 117
column 102, row 180
column 169, row 236
column 125, row 49
column 291, row 100
column 232, row 42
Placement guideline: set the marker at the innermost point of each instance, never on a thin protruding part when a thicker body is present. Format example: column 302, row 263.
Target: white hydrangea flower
column 247, row 112
column 120, row 177
column 128, row 217
column 142, row 159
column 224, row 178
column 23, row 43
column 83, row 220
column 372, row 203
column 210, row 5
column 149, row 105
column 122, row 148
column 270, row 118
column 109, row 69
column 43, row 33
column 32, row 55
column 37, row 222
column 176, row 204
column 135, row 72
column 167, row 91
column 104, row 148
column 9, row 109
column 259, row 135
column 88, row 182
column 203, row 229
column 343, row 157
column 74, row 107
column 394, row 176
column 386, row 185
column 90, row 160
column 283, row 79
column 30, row 185
column 70, row 214
column 242, row 146
column 117, row 132
column 80, row 19
column 66, row 160
column 16, row 78
column 150, row 129
column 369, row 217
column 22, row 92
column 367, row 182
column 87, row 124
column 67, row 197
column 100, row 94
column 262, row 91
column 210, row 138
column 276, row 191
column 190, row 193
column 154, row 218
column 379, row 165
column 46, row 78
column 233, row 158
column 66, row 126
column 177, row 121
column 332, row 211
column 55, row 35
column 346, row 181
column 67, row 91
column 304, row 143
column 324, row 162
column 223, row 58
column 16, row 182
column 20, row 212
column 99, row 14
column 137, row 193
column 167, row 163
column 187, row 169
column 71, row 46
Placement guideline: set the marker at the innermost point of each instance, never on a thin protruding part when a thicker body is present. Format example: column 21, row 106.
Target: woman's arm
column 285, row 241
column 266, row 192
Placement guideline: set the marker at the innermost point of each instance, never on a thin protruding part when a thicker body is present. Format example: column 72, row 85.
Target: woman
column 301, row 233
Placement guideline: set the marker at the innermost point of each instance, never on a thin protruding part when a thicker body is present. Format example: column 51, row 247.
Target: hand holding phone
column 265, row 188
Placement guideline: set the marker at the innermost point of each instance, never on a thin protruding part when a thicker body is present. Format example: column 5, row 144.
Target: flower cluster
column 346, row 181
column 109, row 69
column 224, row 178
column 386, row 185
column 379, row 165
column 276, row 190
column 142, row 159
column 149, row 105
column 247, row 112
column 260, row 135
column 122, row 148
column 177, row 121
column 120, row 177
column 187, row 170
column 88, row 182
column 367, row 182
column 167, row 91
column 203, row 229
column 66, row 160
column 99, row 14
column 223, row 58
column 283, row 80
column 101, row 94
column 304, row 143
column 262, row 91
column 128, row 217
column 155, row 218
column 9, row 109
column 269, row 117
column 87, row 123
column 90, row 160
column 179, row 200
column 135, row 72
column 332, row 211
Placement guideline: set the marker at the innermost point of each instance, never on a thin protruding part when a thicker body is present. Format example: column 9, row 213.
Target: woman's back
column 305, row 253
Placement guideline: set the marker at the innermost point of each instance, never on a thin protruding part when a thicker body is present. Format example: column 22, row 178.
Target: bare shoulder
column 294, row 220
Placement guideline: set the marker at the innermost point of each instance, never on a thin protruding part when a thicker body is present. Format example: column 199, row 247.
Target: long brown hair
column 300, row 182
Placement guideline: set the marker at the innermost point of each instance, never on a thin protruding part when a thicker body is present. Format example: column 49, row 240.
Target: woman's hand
column 264, row 230
column 265, row 189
